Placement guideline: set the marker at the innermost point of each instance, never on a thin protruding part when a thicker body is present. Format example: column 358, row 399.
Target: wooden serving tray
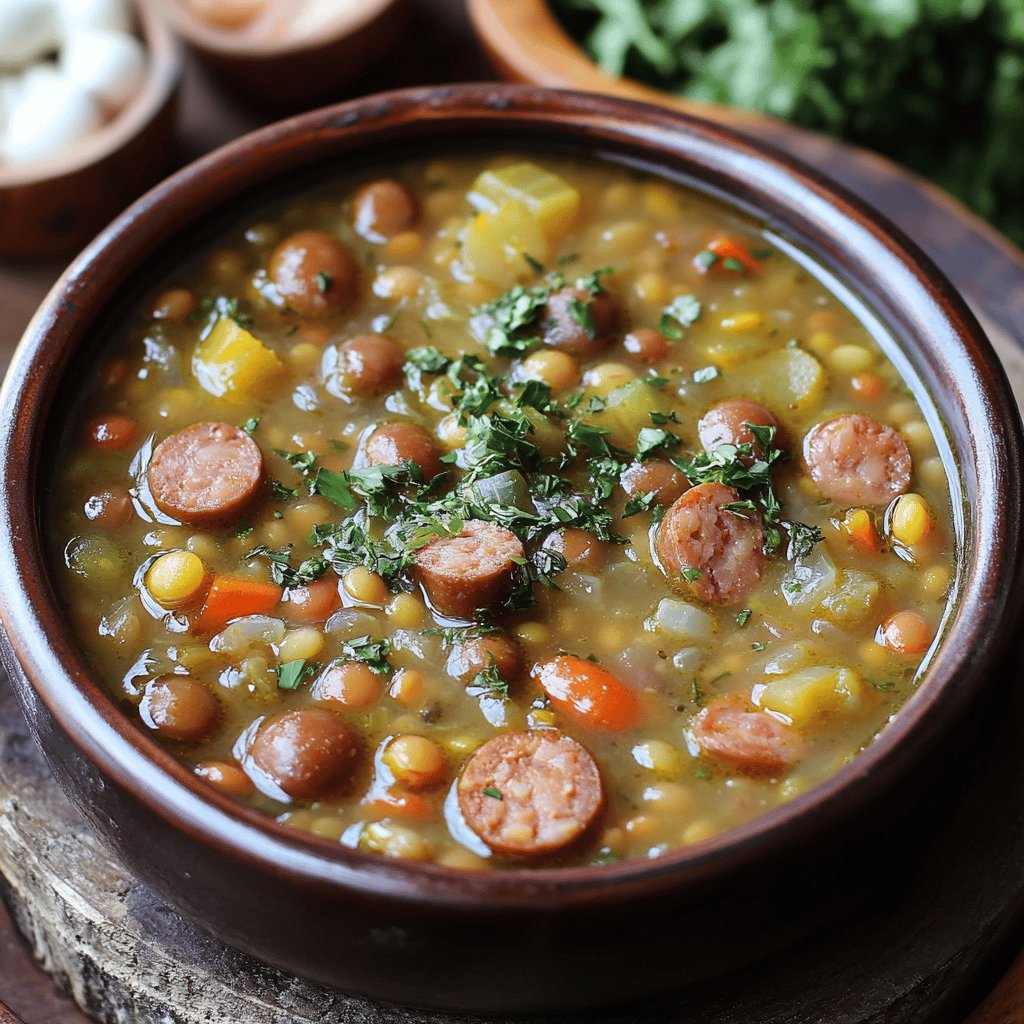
column 928, row 951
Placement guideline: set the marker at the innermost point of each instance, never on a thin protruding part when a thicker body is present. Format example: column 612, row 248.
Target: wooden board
column 126, row 956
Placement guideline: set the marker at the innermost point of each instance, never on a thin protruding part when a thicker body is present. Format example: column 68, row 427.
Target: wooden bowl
column 52, row 209
column 292, row 74
column 547, row 939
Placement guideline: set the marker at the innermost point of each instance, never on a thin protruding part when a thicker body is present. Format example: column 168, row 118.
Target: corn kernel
column 327, row 828
column 698, row 831
column 398, row 283
column 301, row 644
column 608, row 376
column 918, row 436
column 661, row 201
column 743, row 323
column 175, row 577
column 932, row 472
column 406, row 611
column 659, row 756
column 541, row 718
column 365, row 586
column 651, row 287
column 821, row 343
column 462, row 743
column 911, row 520
column 304, row 356
column 558, row 370
column 619, row 197
column 532, row 633
column 669, row 799
column 643, row 826
column 850, row 359
column 873, row 656
column 415, row 761
column 461, row 859
column 935, row 580
column 394, row 841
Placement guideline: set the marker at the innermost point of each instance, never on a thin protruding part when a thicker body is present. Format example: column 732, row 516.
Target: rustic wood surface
column 986, row 269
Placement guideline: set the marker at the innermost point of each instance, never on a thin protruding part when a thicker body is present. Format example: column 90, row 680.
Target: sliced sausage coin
column 577, row 322
column 526, row 794
column 396, row 443
column 856, row 460
column 729, row 423
column 315, row 275
column 206, row 474
column 753, row 741
column 717, row 553
column 470, row 571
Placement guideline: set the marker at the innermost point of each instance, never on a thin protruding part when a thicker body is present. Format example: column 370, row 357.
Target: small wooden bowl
column 51, row 209
column 291, row 74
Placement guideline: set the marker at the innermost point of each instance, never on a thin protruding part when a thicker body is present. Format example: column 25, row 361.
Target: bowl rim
column 163, row 75
column 241, row 44
column 990, row 596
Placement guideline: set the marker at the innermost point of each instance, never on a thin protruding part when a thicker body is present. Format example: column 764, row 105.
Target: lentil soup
column 516, row 511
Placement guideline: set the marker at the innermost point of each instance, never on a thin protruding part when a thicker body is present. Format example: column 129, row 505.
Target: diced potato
column 787, row 379
column 232, row 363
column 551, row 201
column 684, row 621
column 787, row 658
column 495, row 241
column 854, row 598
column 628, row 409
column 812, row 694
column 809, row 579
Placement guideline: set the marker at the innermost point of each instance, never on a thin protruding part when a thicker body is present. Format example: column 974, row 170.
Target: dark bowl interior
column 938, row 347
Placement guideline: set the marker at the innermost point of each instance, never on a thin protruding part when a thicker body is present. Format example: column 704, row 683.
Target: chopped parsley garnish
column 279, row 492
column 489, row 682
column 696, row 693
column 691, row 574
column 323, row 282
column 292, row 674
column 281, row 571
column 682, row 312
column 581, row 314
column 251, row 424
column 655, row 439
column 535, row 265
column 244, row 531
column 494, row 794
column 733, row 264
column 372, row 653
column 705, row 374
column 302, row 461
column 743, row 617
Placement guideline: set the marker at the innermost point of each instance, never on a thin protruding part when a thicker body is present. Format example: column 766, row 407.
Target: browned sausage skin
column 370, row 364
column 657, row 477
column 578, row 322
column 714, row 552
column 729, row 423
column 382, row 209
column 752, row 741
column 471, row 571
column 858, row 461
column 396, row 443
column 471, row 657
column 180, row 708
column 306, row 753
column 315, row 275
column 526, row 794
column 206, row 474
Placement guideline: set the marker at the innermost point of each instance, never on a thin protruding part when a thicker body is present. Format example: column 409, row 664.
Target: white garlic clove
column 28, row 31
column 82, row 15
column 111, row 66
column 50, row 116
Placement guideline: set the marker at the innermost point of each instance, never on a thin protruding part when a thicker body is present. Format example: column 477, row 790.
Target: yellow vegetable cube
column 789, row 378
column 552, row 202
column 497, row 242
column 812, row 694
column 628, row 410
column 232, row 363
column 853, row 600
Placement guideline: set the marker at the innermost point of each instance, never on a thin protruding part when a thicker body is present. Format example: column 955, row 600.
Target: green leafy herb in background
column 937, row 85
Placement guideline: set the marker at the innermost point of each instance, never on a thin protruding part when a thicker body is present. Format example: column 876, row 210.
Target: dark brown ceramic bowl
column 535, row 939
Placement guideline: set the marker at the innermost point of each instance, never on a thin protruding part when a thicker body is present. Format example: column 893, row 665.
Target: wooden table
column 440, row 47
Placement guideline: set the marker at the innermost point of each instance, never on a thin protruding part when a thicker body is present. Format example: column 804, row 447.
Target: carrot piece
column 732, row 255
column 392, row 804
column 859, row 527
column 868, row 386
column 230, row 597
column 588, row 694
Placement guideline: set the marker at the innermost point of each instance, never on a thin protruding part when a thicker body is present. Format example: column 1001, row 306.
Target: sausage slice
column 856, row 460
column 477, row 653
column 530, row 793
column 314, row 274
column 206, row 474
column 577, row 322
column 727, row 423
column 395, row 443
column 469, row 571
column 382, row 209
column 655, row 476
column 722, row 552
column 307, row 753
column 752, row 741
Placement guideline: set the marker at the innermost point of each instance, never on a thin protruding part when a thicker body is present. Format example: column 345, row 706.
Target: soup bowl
column 514, row 940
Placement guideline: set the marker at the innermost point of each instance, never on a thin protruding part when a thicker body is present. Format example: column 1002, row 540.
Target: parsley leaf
column 372, row 653
column 291, row 674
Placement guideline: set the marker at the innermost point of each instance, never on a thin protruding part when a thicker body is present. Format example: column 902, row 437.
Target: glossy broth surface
column 752, row 649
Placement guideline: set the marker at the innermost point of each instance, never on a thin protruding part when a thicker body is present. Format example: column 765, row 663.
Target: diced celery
column 788, row 379
column 551, row 201
column 813, row 693
column 628, row 409
column 497, row 243
column 232, row 363
column 808, row 580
